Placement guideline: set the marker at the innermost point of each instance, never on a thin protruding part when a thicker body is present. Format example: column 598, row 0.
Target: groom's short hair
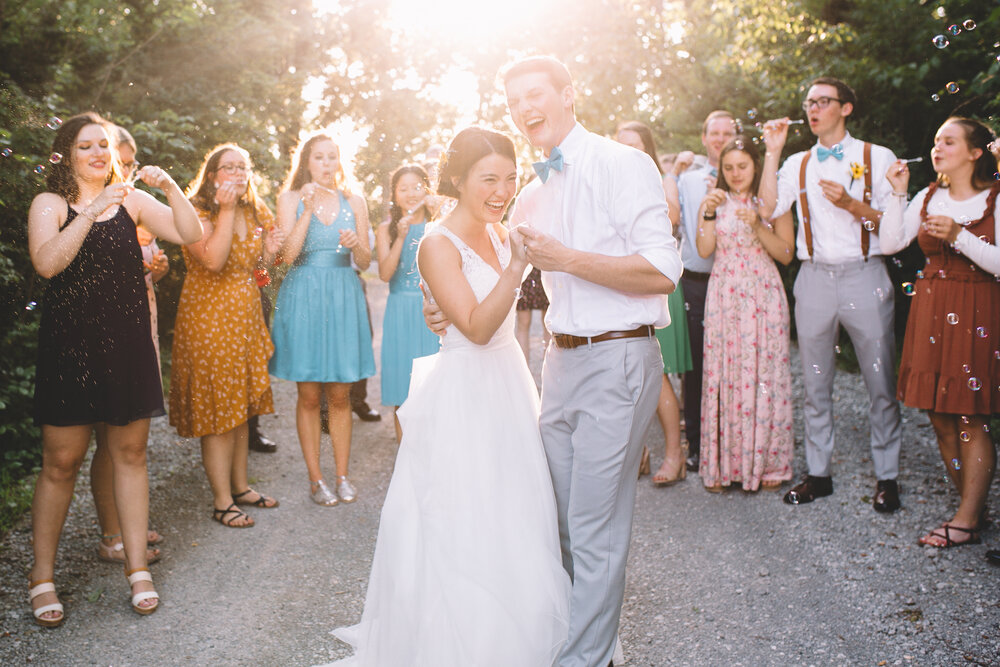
column 558, row 73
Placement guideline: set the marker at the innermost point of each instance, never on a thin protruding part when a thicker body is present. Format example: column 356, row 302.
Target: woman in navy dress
column 320, row 330
column 96, row 361
column 404, row 334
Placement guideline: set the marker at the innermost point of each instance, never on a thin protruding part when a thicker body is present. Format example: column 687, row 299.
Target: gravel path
column 731, row 579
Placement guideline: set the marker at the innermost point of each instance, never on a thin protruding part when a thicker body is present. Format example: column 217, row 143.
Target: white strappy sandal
column 39, row 588
column 142, row 574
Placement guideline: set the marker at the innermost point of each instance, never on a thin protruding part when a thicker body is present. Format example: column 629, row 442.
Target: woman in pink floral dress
column 746, row 405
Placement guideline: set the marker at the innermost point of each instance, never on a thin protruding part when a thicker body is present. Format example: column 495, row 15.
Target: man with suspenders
column 839, row 188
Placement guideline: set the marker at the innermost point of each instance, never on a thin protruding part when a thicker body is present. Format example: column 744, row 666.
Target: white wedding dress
column 467, row 569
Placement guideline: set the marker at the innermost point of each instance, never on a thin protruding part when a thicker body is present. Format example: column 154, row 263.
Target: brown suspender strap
column 865, row 234
column 804, row 205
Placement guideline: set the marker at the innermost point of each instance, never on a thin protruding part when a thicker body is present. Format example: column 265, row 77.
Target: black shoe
column 809, row 490
column 261, row 443
column 993, row 556
column 365, row 413
column 693, row 463
column 886, row 496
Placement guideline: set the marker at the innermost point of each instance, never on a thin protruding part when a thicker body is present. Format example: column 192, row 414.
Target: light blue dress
column 320, row 327
column 405, row 336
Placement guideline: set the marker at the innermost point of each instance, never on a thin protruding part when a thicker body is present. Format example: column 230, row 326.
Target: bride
column 467, row 568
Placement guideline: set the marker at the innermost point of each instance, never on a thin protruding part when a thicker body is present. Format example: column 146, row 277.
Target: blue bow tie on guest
column 555, row 161
column 822, row 152
column 713, row 172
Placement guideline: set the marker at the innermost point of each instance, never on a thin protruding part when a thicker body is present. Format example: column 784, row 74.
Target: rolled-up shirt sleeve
column 641, row 215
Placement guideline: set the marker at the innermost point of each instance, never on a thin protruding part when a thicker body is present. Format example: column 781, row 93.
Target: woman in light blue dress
column 320, row 329
column 404, row 334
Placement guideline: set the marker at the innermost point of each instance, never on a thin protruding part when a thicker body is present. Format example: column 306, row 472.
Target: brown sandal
column 973, row 534
column 264, row 502
column 220, row 516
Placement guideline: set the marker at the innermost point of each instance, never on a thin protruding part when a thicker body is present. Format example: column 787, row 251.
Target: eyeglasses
column 820, row 103
column 234, row 168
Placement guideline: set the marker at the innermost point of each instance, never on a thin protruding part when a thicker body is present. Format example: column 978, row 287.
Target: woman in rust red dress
column 951, row 354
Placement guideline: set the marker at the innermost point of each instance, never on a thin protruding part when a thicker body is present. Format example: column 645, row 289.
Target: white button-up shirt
column 836, row 233
column 608, row 199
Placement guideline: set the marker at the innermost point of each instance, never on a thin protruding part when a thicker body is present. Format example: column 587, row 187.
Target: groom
column 597, row 227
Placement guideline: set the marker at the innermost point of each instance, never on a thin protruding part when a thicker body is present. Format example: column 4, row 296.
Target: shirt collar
column 572, row 143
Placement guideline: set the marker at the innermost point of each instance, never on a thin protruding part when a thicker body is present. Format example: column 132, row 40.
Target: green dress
column 675, row 345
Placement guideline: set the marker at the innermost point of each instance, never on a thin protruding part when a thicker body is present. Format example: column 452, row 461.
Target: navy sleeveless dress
column 96, row 359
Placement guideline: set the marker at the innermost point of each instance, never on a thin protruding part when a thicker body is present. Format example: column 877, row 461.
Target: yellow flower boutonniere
column 857, row 171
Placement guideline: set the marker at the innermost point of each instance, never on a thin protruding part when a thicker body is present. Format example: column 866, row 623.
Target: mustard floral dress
column 221, row 344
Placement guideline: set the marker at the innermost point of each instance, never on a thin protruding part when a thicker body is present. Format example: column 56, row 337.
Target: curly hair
column 201, row 191
column 61, row 178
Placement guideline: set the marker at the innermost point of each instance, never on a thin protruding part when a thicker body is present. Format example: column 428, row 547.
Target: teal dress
column 675, row 344
column 320, row 326
column 405, row 336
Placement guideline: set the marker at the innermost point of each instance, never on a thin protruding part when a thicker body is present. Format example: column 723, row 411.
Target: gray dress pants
column 858, row 295
column 597, row 402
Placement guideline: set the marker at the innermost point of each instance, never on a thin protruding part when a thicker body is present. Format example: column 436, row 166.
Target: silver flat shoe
column 322, row 495
column 346, row 490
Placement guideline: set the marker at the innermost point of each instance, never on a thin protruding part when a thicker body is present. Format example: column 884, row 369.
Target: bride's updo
column 467, row 148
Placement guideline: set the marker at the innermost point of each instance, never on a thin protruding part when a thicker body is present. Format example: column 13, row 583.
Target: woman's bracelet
column 899, row 194
column 707, row 216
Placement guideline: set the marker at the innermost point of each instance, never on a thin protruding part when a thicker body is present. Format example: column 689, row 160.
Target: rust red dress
column 951, row 351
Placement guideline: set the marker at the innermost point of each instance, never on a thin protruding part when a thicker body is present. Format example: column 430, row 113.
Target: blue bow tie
column 713, row 172
column 822, row 152
column 555, row 161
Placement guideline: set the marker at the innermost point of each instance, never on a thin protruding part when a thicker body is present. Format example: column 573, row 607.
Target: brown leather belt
column 696, row 276
column 568, row 342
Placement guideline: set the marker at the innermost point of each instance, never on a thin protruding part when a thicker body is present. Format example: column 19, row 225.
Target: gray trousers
column 858, row 295
column 597, row 402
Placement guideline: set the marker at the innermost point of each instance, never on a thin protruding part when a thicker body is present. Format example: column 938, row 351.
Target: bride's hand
column 433, row 316
column 518, row 255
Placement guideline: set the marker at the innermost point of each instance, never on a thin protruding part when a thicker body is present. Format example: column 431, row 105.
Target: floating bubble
column 257, row 232
column 920, row 275
column 952, row 318
column 955, row 29
column 969, row 24
column 964, row 419
column 956, row 464
column 6, row 152
column 836, row 349
column 54, row 123
column 879, row 293
column 908, row 289
column 967, row 368
column 816, row 369
column 869, row 225
column 982, row 332
column 996, row 174
column 55, row 158
column 752, row 114
column 940, row 41
column 899, row 264
column 935, row 98
column 964, row 436
column 996, row 354
column 763, row 389
column 877, row 366
column 952, row 87
column 31, row 305
column 975, row 384
column 933, row 340
column 39, row 169
column 687, row 306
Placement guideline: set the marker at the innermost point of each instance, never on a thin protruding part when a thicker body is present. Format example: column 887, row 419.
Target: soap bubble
column 257, row 232
column 6, row 152
column 920, row 274
column 955, row 29
column 55, row 158
column 933, row 340
column 31, row 305
column 908, row 289
column 952, row 318
column 964, row 436
column 836, row 348
column 869, row 225
column 969, row 24
column 975, row 384
column 816, row 369
column 982, row 332
column 940, row 41
column 54, row 123
column 952, row 87
column 752, row 114
column 39, row 169
column 935, row 97
column 967, row 368
column 956, row 464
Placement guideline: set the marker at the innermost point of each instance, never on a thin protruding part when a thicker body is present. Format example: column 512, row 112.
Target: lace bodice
column 482, row 278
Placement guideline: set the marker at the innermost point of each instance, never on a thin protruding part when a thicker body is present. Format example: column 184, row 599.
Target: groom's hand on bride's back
column 433, row 317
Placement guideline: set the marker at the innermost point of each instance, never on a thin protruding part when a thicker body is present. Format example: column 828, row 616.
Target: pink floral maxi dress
column 746, row 405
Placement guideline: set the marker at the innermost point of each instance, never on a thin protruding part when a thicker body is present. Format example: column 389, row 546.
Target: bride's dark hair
column 467, row 148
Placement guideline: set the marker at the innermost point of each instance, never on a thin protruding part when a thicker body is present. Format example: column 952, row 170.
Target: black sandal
column 973, row 534
column 262, row 501
column 220, row 516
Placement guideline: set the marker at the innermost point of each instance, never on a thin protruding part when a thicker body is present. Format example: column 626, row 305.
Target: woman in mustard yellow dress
column 221, row 345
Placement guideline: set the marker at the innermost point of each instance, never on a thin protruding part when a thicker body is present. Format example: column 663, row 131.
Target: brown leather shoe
column 886, row 498
column 809, row 490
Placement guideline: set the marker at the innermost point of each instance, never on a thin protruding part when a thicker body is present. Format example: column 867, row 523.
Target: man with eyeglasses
column 839, row 190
